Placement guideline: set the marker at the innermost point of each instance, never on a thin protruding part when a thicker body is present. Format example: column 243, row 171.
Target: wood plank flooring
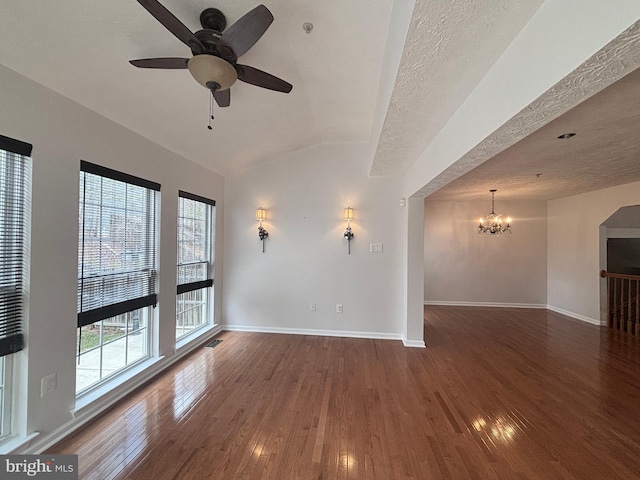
column 497, row 394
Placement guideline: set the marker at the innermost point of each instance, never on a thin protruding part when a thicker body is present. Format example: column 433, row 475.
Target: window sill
column 15, row 442
column 197, row 336
column 124, row 381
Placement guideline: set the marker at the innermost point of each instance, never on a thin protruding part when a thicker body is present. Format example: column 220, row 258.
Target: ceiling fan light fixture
column 208, row 68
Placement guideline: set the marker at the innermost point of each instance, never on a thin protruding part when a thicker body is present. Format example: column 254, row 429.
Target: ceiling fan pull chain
column 210, row 111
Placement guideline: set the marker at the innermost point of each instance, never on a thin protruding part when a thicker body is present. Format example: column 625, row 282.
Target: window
column 117, row 272
column 195, row 263
column 15, row 194
column 5, row 397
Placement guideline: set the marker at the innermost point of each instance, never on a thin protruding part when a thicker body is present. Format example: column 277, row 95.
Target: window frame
column 86, row 317
column 16, row 210
column 112, row 286
column 206, row 285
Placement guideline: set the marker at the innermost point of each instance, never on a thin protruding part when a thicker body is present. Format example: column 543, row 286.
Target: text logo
column 51, row 467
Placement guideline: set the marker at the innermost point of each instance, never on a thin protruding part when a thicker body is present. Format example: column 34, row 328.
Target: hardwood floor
column 497, row 394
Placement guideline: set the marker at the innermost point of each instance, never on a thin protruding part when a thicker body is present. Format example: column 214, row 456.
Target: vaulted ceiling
column 339, row 72
column 81, row 50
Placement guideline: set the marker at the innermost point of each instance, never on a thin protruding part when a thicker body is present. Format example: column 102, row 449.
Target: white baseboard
column 317, row 333
column 413, row 343
column 44, row 441
column 485, row 304
column 574, row 315
column 577, row 316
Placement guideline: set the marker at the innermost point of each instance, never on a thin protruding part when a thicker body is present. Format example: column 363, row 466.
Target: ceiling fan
column 215, row 54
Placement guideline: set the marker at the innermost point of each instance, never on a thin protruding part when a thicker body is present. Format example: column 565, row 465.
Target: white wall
column 573, row 245
column 306, row 257
column 414, row 274
column 63, row 133
column 462, row 267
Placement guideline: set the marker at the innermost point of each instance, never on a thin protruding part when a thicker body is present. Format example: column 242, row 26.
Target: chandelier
column 493, row 221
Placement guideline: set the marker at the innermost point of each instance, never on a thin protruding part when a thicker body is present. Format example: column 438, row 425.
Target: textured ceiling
column 450, row 46
column 605, row 151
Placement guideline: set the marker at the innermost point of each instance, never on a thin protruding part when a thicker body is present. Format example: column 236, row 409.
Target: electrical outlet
column 338, row 308
column 48, row 384
column 312, row 307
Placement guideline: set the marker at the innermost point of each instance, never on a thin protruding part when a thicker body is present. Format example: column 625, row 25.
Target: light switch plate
column 375, row 247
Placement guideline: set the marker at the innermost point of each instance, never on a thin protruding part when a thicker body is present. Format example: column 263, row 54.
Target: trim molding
column 576, row 316
column 486, row 304
column 318, row 333
column 413, row 343
column 90, row 411
column 14, row 443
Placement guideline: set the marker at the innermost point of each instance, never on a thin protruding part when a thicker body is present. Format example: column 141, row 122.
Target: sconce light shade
column 261, row 214
column 347, row 215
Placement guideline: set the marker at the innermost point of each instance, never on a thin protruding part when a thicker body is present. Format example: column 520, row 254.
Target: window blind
column 117, row 245
column 195, row 217
column 15, row 193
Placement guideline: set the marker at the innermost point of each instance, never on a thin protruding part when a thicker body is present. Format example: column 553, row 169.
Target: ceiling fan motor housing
column 213, row 19
column 213, row 23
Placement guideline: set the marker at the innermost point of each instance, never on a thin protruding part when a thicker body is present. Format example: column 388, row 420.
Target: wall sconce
column 261, row 214
column 348, row 234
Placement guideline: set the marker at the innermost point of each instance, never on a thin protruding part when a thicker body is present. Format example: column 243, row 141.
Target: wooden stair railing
column 623, row 308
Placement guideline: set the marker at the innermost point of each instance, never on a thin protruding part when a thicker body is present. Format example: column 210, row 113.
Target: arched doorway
column 619, row 248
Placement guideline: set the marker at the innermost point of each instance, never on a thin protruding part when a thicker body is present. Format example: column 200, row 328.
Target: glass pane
column 137, row 345
column 111, row 345
column 193, row 222
column 88, row 337
column 191, row 311
column 113, row 356
column 114, row 327
column 116, row 248
column 88, row 369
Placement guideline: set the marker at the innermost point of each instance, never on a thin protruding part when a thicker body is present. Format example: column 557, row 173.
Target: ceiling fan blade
column 262, row 79
column 223, row 97
column 175, row 26
column 168, row 63
column 243, row 34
